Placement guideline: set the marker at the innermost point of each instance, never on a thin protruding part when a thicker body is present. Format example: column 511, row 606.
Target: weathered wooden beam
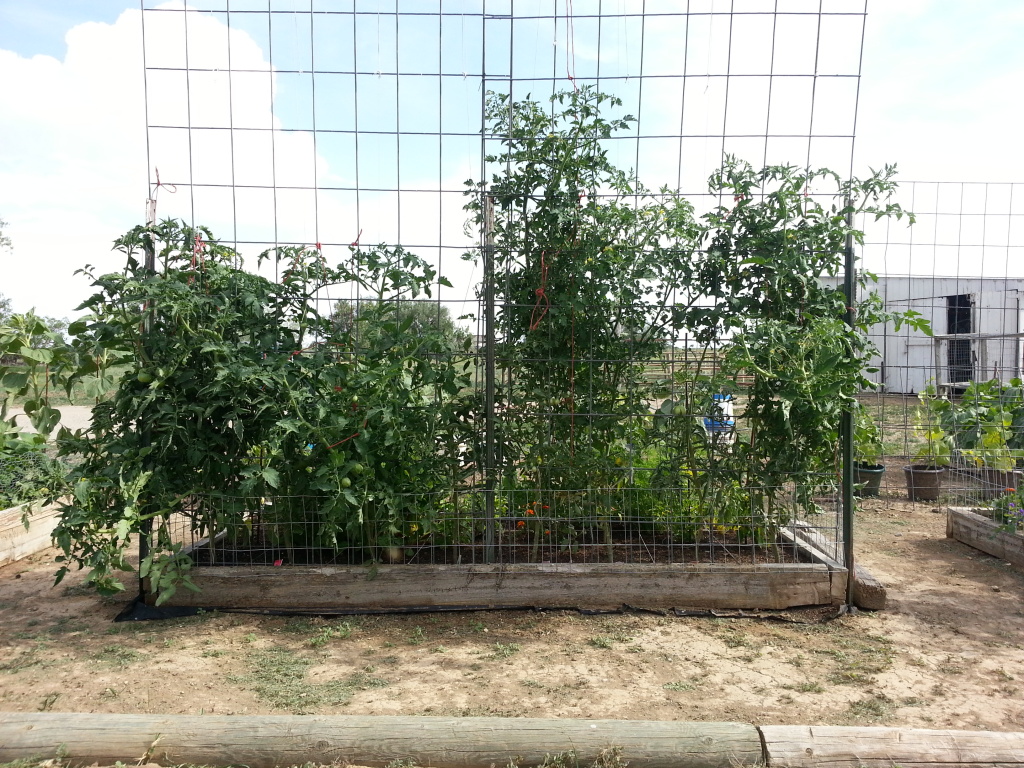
column 813, row 546
column 15, row 541
column 805, row 746
column 980, row 532
column 868, row 592
column 462, row 742
column 541, row 585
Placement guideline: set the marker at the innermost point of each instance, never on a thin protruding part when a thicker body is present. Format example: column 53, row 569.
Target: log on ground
column 464, row 742
column 803, row 746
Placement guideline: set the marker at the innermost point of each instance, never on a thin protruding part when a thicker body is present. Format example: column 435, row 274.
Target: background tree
column 424, row 317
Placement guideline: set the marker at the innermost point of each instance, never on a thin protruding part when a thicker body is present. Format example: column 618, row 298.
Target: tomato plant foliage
column 598, row 279
column 624, row 318
column 237, row 389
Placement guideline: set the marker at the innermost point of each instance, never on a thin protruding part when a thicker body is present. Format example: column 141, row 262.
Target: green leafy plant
column 28, row 347
column 244, row 409
column 1008, row 510
column 936, row 448
column 986, row 424
column 867, row 439
column 594, row 274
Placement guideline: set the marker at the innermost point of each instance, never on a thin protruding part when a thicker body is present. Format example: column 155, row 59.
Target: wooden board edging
column 867, row 593
column 15, row 541
column 979, row 532
column 539, row 585
column 264, row 741
column 806, row 746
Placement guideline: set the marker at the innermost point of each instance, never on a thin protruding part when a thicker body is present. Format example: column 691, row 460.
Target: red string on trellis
column 543, row 302
column 355, row 243
column 197, row 253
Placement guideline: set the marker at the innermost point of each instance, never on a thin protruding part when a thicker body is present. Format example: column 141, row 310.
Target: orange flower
column 547, row 533
column 529, row 512
column 520, row 524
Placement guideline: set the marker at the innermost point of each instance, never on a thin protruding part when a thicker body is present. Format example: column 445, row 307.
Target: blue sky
column 939, row 96
column 31, row 27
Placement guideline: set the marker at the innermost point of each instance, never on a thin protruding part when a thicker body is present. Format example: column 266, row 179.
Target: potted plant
column 924, row 476
column 982, row 425
column 867, row 455
column 994, row 456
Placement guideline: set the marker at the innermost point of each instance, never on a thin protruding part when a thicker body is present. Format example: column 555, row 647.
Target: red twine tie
column 543, row 302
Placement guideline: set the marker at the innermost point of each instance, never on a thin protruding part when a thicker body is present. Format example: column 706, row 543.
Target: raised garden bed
column 16, row 541
column 975, row 527
column 812, row 578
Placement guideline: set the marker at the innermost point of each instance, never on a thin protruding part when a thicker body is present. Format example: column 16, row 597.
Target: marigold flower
column 530, row 512
column 520, row 524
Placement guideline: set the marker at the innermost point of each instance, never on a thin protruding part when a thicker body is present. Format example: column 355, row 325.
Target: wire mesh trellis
column 953, row 399
column 340, row 124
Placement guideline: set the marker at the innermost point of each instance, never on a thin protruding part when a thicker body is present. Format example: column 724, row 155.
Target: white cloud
column 938, row 96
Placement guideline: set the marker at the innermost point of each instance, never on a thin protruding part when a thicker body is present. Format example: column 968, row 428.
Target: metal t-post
column 846, row 427
column 490, row 470
column 146, row 525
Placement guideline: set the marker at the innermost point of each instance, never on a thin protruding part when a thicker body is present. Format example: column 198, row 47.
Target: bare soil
column 949, row 652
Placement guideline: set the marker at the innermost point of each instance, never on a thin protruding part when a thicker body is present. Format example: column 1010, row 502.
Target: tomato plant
column 598, row 280
column 239, row 390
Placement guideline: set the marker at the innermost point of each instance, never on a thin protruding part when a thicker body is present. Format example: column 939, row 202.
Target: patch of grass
column 278, row 677
column 341, row 631
column 67, row 625
column 859, row 658
column 606, row 758
column 736, row 640
column 806, row 687
column 873, row 709
column 118, row 655
column 680, row 685
column 417, row 636
column 608, row 641
column 23, row 661
column 504, row 650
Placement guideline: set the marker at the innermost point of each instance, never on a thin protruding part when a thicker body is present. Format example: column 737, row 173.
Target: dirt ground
column 949, row 652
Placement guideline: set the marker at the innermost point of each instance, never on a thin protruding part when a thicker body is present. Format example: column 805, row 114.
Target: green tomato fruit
column 144, row 377
column 679, row 410
column 346, row 483
column 357, row 469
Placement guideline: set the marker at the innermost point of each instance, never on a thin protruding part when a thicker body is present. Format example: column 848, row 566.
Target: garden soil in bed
column 948, row 653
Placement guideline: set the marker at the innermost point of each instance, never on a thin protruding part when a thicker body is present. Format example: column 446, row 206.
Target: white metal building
column 977, row 322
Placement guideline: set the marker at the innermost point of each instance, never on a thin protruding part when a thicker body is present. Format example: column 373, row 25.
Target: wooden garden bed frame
column 820, row 580
column 979, row 531
column 15, row 541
